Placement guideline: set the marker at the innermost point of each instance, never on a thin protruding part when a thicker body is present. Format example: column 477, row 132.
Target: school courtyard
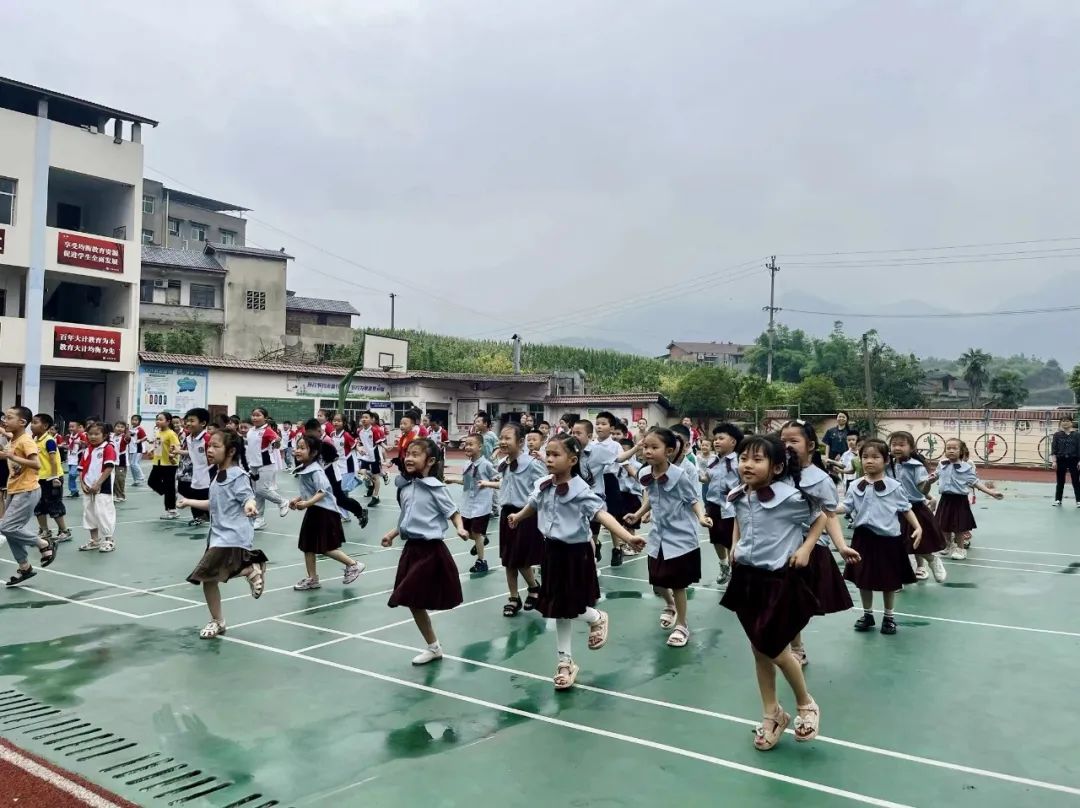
column 310, row 698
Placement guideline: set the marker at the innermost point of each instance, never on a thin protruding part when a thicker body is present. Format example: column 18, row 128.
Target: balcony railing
column 165, row 313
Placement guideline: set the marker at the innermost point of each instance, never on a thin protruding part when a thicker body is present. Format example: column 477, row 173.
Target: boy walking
column 50, row 480
column 24, row 493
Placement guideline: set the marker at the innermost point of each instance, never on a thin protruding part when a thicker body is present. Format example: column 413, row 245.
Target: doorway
column 68, row 217
column 78, row 400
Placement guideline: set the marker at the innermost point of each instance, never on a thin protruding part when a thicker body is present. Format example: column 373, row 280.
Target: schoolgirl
column 823, row 576
column 565, row 507
column 771, row 599
column 875, row 502
column 229, row 552
column 521, row 547
column 599, row 459
column 630, row 489
column 329, row 459
column 321, row 532
column 956, row 477
column 261, row 442
column 673, row 497
column 476, row 502
column 136, row 449
column 426, row 575
column 909, row 468
column 721, row 477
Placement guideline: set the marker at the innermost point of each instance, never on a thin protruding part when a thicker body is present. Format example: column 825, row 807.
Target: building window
column 228, row 237
column 147, row 236
column 7, row 200
column 202, row 296
column 146, row 291
column 147, row 204
column 3, row 302
column 174, row 227
column 172, row 294
column 399, row 409
column 320, row 319
column 255, row 301
column 351, row 413
column 198, row 232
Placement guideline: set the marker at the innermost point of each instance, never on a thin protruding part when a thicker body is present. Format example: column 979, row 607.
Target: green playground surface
column 310, row 698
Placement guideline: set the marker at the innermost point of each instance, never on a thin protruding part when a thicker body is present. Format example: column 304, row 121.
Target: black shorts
column 52, row 500
column 370, row 466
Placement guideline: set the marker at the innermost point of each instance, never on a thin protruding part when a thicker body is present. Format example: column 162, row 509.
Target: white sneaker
column 260, row 524
column 938, row 569
column 921, row 573
column 958, row 554
column 283, row 509
column 1078, row 504
column 948, row 551
column 169, row 515
column 1056, row 503
column 305, row 584
column 352, row 572
column 428, row 655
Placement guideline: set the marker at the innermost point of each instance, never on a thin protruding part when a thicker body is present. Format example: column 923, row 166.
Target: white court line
column 130, row 589
column 1012, row 569
column 1056, row 566
column 941, row 764
column 1031, row 552
column 584, row 728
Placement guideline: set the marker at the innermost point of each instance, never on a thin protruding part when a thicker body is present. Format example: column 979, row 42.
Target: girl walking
column 262, row 443
column 876, row 504
column 477, row 501
column 229, row 552
column 165, row 458
column 321, row 532
column 673, row 497
column 720, row 477
column 956, row 477
column 768, row 594
column 427, row 577
column 565, row 506
column 521, row 547
column 909, row 468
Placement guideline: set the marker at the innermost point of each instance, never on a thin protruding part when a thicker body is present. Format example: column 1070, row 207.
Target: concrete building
column 315, row 326
column 70, row 186
column 712, row 354
column 182, row 221
column 629, row 407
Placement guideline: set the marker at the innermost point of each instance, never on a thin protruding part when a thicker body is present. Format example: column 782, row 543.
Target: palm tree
column 975, row 363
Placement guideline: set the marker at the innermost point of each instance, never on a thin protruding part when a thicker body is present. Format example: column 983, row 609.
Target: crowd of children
column 768, row 502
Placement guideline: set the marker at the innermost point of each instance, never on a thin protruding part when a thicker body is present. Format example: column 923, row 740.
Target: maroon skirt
column 675, row 573
column 772, row 605
column 723, row 530
column 520, row 546
column 427, row 577
column 884, row 567
column 568, row 579
column 932, row 541
column 954, row 514
column 825, row 581
column 476, row 525
column 321, row 531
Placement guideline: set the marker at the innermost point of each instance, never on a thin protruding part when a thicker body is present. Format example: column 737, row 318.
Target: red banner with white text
column 77, row 250
column 86, row 343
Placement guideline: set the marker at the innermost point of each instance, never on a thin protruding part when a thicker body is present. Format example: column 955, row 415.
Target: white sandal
column 90, row 546
column 679, row 637
column 212, row 629
column 667, row 619
column 107, row 546
column 256, row 580
column 566, row 673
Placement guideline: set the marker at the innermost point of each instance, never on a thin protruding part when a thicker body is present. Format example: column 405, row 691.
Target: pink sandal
column 764, row 738
column 598, row 632
column 566, row 674
column 807, row 721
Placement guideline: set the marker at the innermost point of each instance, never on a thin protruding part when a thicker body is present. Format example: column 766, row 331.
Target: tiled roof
column 329, row 370
column 318, row 304
column 255, row 252
column 608, row 398
column 181, row 259
column 719, row 348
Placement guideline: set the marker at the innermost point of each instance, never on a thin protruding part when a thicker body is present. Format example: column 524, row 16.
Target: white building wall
column 17, row 163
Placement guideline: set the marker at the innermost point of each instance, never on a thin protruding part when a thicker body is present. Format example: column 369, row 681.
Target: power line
column 939, row 316
column 929, row 261
column 929, row 249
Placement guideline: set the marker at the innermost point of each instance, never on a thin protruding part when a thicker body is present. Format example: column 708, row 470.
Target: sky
column 616, row 172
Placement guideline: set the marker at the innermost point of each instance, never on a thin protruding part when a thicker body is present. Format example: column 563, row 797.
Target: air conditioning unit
column 184, row 244
column 161, row 284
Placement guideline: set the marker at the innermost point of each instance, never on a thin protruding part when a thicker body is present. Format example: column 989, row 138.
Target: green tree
column 791, row 353
column 975, row 364
column 1008, row 389
column 817, row 394
column 706, row 391
column 1074, row 383
column 188, row 339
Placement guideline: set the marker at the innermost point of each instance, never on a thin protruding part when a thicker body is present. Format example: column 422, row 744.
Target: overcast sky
column 501, row 164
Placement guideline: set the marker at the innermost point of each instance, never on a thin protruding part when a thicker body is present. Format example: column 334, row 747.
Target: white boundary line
column 43, row 593
column 941, row 764
column 584, row 728
column 55, row 779
column 1031, row 552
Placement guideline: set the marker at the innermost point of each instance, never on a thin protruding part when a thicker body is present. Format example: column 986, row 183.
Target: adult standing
column 261, row 443
column 1065, row 453
column 835, row 438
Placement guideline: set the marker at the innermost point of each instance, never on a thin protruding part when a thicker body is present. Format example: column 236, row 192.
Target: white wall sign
column 358, row 388
column 173, row 389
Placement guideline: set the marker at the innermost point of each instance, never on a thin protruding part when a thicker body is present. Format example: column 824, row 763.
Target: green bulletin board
column 296, row 410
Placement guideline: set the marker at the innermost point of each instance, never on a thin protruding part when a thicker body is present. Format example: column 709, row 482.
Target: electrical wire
column 931, row 249
column 937, row 316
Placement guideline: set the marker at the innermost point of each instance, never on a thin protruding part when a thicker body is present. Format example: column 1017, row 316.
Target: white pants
column 99, row 514
column 266, row 489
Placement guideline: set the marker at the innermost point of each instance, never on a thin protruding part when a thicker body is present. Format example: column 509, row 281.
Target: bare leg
column 890, row 599
column 212, row 593
column 339, row 555
column 792, row 670
column 669, row 601
column 678, row 597
column 766, row 679
column 867, row 598
column 43, row 525
column 423, row 622
column 530, row 576
column 512, row 582
column 309, row 565
column 478, row 540
column 61, row 523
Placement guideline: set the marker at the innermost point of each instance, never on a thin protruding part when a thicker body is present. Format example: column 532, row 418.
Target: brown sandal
column 598, row 632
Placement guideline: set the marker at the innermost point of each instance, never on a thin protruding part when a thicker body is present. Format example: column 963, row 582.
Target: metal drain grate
column 154, row 774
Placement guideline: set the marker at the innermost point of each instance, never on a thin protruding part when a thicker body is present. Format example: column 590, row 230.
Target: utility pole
column 392, row 296
column 869, row 386
column 772, row 308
